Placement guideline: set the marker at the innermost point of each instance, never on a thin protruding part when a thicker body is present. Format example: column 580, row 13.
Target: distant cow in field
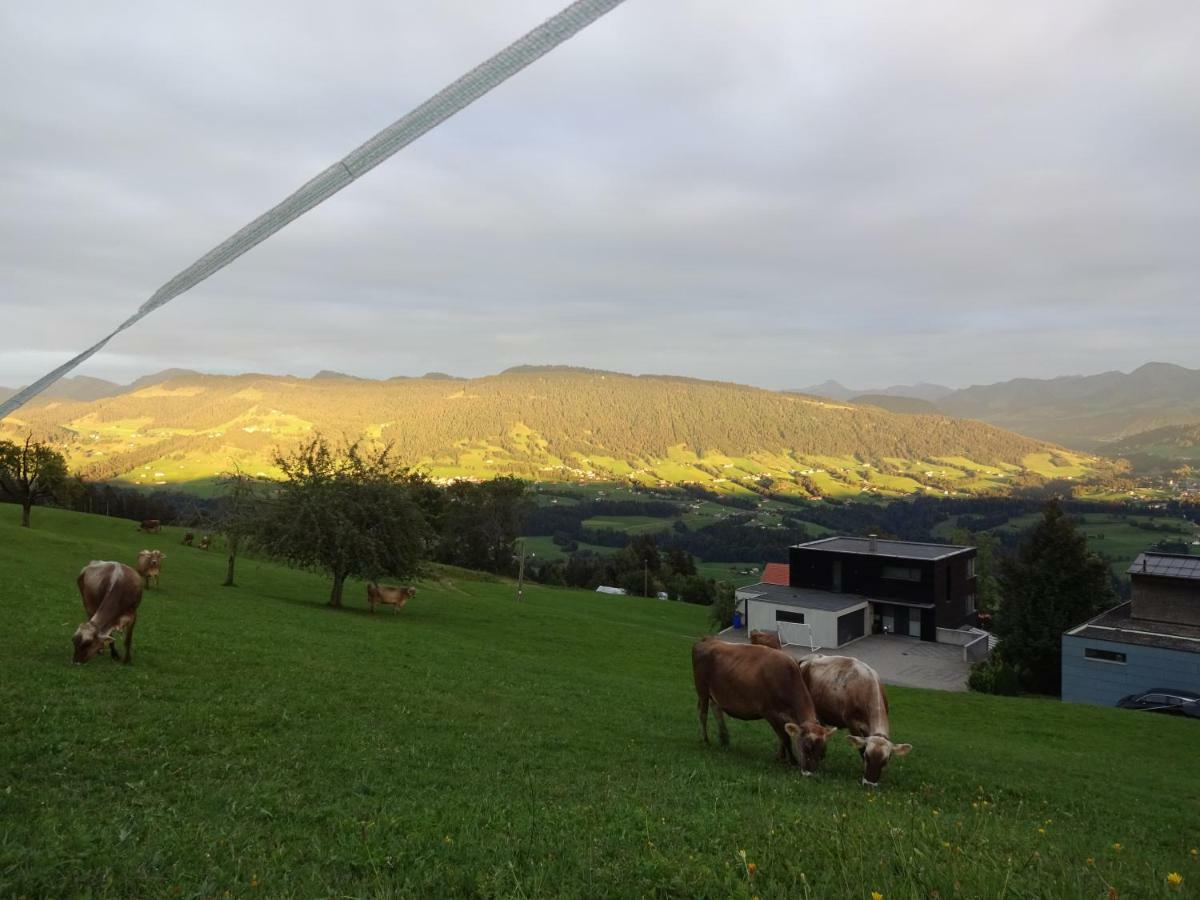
column 750, row 682
column 150, row 525
column 111, row 592
column 766, row 639
column 386, row 594
column 205, row 542
column 847, row 692
column 149, row 566
column 188, row 538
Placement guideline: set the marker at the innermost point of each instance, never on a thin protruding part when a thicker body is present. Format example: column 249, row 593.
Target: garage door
column 851, row 625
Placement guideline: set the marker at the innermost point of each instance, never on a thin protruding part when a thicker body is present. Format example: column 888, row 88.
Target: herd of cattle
column 112, row 593
column 804, row 702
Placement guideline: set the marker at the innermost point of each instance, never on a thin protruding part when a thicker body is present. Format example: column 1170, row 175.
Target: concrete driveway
column 905, row 661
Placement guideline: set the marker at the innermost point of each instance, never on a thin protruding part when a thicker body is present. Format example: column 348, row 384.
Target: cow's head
column 875, row 751
column 89, row 640
column 808, row 743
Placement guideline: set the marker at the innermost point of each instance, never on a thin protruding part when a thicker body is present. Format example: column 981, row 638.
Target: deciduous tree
column 349, row 512
column 31, row 472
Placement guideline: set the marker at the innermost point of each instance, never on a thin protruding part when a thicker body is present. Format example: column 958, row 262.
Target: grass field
column 264, row 745
column 1117, row 537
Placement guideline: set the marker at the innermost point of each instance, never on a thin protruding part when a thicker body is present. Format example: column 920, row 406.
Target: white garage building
column 808, row 618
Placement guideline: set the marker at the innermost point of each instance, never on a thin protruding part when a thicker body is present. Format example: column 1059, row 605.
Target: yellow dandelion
column 1117, row 847
column 1195, row 853
column 1091, row 861
column 875, row 895
column 1174, row 879
column 946, row 844
column 1041, row 831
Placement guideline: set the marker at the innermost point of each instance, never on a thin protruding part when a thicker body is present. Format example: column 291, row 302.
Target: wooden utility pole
column 521, row 573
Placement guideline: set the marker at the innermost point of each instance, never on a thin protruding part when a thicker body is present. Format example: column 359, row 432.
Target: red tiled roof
column 776, row 573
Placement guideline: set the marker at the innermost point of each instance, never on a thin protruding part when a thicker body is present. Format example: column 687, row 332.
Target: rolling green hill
column 1172, row 444
column 263, row 745
column 1085, row 411
column 545, row 424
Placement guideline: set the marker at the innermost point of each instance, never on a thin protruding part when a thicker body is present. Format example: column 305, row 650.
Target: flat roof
column 803, row 598
column 1166, row 565
column 1119, row 625
column 898, row 549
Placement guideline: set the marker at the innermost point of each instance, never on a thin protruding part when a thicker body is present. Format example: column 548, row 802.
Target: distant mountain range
column 551, row 423
column 835, row 390
column 1086, row 412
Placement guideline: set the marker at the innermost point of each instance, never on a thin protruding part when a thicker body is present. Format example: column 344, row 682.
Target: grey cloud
column 772, row 193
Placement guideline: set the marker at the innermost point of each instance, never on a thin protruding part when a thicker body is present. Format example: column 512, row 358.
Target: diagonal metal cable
column 428, row 115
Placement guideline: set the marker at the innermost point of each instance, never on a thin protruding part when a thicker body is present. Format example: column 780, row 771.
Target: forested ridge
column 523, row 420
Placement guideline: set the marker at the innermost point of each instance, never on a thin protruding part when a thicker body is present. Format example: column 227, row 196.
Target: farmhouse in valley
column 1151, row 641
column 838, row 589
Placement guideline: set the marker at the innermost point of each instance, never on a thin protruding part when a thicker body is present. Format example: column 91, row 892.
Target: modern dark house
column 842, row 588
column 1150, row 642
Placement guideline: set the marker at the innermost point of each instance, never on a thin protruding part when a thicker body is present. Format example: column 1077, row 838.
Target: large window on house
column 1109, row 656
column 794, row 617
column 971, row 567
column 901, row 573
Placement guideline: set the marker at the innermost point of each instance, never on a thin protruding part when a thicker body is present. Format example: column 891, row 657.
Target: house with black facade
column 842, row 588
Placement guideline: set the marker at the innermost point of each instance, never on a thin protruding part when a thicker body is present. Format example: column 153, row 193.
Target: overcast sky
column 771, row 192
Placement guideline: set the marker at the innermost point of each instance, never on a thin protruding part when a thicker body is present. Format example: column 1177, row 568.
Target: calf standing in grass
column 751, row 682
column 111, row 592
column 149, row 565
column 386, row 594
column 848, row 692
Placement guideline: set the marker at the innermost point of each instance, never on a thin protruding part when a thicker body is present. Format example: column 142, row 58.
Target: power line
column 441, row 106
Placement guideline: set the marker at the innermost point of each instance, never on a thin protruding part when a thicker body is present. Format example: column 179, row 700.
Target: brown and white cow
column 848, row 692
column 766, row 639
column 111, row 592
column 750, row 682
column 149, row 565
column 188, row 538
column 386, row 594
column 205, row 542
column 149, row 525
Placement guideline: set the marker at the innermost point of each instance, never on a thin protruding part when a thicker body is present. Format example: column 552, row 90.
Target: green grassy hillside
column 547, row 425
column 263, row 745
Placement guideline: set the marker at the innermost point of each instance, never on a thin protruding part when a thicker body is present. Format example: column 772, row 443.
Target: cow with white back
column 111, row 593
column 847, row 692
column 751, row 682
column 386, row 594
column 149, row 566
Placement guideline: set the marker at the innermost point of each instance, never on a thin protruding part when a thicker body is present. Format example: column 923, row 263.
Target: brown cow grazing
column 205, row 542
column 848, row 692
column 387, row 594
column 111, row 592
column 149, row 525
column 750, row 682
column 188, row 538
column 766, row 639
column 149, row 566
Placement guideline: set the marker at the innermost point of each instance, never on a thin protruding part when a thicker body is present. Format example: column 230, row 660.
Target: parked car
column 1166, row 700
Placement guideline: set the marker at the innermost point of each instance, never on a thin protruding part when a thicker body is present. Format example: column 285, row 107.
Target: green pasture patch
column 263, row 745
